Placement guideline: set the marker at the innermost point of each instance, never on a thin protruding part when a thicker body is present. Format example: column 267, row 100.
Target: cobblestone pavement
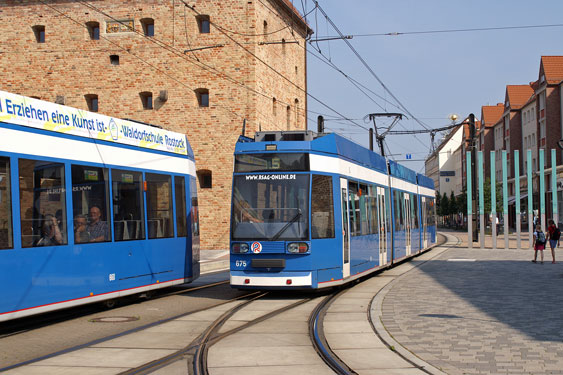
column 481, row 312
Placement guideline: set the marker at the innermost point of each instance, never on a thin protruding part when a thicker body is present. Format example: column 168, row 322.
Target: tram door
column 345, row 230
column 382, row 227
column 423, row 222
column 408, row 215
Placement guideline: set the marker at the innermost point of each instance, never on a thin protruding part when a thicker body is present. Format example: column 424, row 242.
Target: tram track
column 318, row 339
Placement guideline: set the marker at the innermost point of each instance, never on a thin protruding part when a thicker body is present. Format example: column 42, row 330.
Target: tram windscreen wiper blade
column 293, row 220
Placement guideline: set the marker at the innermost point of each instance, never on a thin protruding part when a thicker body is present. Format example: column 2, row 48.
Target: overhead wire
column 458, row 30
column 369, row 67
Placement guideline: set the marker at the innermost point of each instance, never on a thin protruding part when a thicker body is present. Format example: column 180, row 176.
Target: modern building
column 202, row 69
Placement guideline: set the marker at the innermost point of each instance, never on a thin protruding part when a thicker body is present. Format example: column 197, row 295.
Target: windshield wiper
column 293, row 220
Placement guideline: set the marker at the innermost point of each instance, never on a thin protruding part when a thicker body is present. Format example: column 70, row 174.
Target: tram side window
column 6, row 229
column 159, row 206
column 128, row 205
column 354, row 208
column 430, row 212
column 42, row 203
column 363, row 192
column 181, row 215
column 194, row 216
column 322, row 209
column 372, row 210
column 414, row 200
column 90, row 204
column 398, row 198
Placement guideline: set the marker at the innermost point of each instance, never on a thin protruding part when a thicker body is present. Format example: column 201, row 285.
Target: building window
column 274, row 105
column 92, row 102
column 146, row 99
column 114, row 59
column 202, row 97
column 148, row 26
column 93, row 30
column 205, row 179
column 288, row 117
column 39, row 31
column 283, row 46
column 203, row 24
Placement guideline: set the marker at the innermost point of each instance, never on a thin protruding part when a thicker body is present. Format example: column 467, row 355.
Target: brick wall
column 72, row 65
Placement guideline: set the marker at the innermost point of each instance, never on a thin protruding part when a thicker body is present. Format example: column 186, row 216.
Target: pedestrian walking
column 553, row 234
column 539, row 243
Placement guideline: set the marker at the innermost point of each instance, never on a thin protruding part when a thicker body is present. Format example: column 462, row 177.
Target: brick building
column 490, row 115
column 201, row 71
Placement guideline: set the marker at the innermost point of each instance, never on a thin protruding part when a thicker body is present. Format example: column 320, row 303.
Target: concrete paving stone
column 392, row 371
column 151, row 340
column 227, row 356
column 109, row 357
column 273, row 370
column 343, row 317
column 359, row 303
column 360, row 359
column 61, row 370
column 354, row 340
column 178, row 326
column 180, row 367
column 269, row 304
column 203, row 316
column 334, row 308
column 248, row 315
column 348, row 327
column 266, row 340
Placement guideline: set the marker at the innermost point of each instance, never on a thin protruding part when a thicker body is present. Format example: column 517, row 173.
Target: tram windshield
column 271, row 207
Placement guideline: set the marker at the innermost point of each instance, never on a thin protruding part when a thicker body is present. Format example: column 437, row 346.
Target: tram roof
column 325, row 144
column 425, row 181
column 402, row 172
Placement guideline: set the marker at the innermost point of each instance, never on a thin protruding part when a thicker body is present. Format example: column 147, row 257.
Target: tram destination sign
column 35, row 113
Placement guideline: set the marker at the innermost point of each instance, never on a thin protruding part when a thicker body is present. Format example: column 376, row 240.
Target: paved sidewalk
column 213, row 261
column 480, row 312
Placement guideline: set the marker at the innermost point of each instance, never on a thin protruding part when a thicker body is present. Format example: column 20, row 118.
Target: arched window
column 92, row 102
column 204, row 177
column 148, row 26
column 274, row 105
column 146, row 99
column 114, row 59
column 283, row 46
column 93, row 30
column 202, row 97
column 203, row 23
column 288, row 117
column 39, row 31
column 265, row 30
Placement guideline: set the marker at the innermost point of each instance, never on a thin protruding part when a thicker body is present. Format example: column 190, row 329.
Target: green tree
column 444, row 205
column 453, row 209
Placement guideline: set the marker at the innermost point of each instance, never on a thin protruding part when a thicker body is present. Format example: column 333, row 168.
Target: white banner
column 21, row 110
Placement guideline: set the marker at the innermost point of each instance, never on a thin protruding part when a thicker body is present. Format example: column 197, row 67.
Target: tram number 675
column 240, row 263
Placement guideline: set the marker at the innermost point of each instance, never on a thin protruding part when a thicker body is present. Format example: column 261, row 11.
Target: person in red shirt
column 553, row 234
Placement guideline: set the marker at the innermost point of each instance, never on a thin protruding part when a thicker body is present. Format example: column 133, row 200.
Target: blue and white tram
column 91, row 207
column 312, row 212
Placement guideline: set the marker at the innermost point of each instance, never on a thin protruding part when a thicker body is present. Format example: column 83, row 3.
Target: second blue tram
column 91, row 207
column 312, row 211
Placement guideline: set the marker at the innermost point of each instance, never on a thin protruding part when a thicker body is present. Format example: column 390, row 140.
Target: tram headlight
column 240, row 248
column 298, row 247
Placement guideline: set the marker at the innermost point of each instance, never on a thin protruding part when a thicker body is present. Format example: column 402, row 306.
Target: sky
column 433, row 75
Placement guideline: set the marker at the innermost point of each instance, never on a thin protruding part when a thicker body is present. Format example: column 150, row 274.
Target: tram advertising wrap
column 17, row 109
